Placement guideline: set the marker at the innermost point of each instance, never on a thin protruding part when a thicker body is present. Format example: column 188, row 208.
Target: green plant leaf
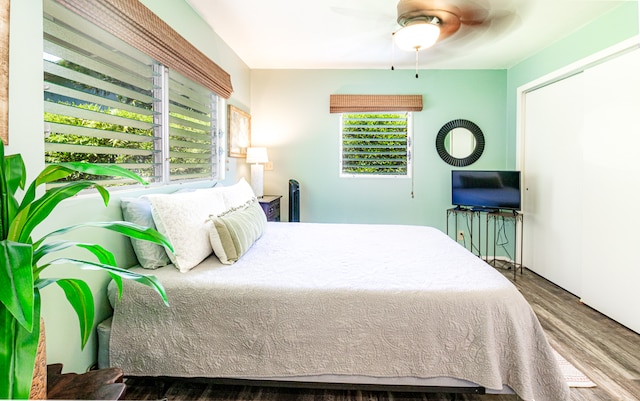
column 95, row 169
column 4, row 205
column 8, row 327
column 16, row 281
column 80, row 297
column 15, row 176
column 104, row 256
column 12, row 177
column 18, row 349
column 55, row 172
column 145, row 279
column 30, row 216
column 15, row 172
column 122, row 227
column 50, row 173
column 118, row 280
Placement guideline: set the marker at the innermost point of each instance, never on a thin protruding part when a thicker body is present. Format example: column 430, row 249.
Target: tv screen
column 486, row 189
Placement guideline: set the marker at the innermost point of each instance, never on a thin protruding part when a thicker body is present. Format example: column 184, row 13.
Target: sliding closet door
column 552, row 180
column 581, row 169
column 611, row 181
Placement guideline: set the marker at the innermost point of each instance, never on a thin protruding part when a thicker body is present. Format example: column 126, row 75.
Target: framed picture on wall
column 4, row 71
column 239, row 127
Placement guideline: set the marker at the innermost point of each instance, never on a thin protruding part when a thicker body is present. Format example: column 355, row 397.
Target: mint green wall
column 290, row 116
column 617, row 25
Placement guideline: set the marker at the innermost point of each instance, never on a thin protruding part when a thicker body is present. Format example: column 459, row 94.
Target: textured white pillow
column 182, row 218
column 138, row 211
column 237, row 195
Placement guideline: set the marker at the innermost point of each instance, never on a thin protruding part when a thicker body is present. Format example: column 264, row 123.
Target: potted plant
column 22, row 261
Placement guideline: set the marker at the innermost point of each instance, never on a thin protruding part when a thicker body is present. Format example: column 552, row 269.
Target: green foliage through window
column 108, row 103
column 375, row 144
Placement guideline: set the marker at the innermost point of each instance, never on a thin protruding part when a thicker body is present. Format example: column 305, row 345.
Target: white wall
column 26, row 99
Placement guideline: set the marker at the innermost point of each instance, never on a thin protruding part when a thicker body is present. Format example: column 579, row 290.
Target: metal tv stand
column 492, row 218
column 518, row 220
column 473, row 213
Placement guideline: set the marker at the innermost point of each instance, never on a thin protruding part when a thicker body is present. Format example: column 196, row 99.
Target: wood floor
column 607, row 352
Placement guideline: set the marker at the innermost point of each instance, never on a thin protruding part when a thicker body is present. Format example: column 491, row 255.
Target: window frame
column 408, row 156
column 163, row 124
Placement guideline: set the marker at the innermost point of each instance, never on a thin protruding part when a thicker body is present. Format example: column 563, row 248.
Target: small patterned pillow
column 234, row 232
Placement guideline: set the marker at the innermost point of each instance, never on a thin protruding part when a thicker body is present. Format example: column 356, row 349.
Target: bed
column 340, row 303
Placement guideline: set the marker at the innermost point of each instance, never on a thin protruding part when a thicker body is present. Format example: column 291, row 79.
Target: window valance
column 132, row 22
column 373, row 103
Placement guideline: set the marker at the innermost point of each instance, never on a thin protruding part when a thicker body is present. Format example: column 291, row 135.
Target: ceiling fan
column 441, row 17
column 423, row 23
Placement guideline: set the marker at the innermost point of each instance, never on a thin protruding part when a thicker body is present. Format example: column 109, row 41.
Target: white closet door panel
column 611, row 180
column 552, row 182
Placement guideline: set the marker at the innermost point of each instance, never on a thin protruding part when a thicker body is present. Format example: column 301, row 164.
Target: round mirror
column 460, row 143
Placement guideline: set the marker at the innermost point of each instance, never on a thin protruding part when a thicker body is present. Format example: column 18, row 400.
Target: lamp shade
column 417, row 36
column 257, row 155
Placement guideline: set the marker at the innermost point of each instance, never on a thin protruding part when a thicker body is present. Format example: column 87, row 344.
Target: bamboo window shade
column 132, row 22
column 373, row 103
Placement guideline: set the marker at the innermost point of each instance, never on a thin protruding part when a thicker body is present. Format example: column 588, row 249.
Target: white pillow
column 182, row 218
column 138, row 211
column 237, row 195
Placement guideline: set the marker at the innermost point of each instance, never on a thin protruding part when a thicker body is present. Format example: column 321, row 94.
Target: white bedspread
column 327, row 299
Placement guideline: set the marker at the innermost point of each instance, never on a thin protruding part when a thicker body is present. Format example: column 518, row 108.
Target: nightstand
column 271, row 206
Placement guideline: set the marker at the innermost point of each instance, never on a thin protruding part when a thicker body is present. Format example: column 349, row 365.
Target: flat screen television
column 486, row 189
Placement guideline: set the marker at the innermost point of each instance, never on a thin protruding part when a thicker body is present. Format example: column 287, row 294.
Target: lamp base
column 257, row 179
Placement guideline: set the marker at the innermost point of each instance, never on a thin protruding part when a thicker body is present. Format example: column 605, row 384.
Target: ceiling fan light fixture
column 416, row 36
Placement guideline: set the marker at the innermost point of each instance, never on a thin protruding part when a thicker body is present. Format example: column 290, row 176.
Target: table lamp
column 256, row 156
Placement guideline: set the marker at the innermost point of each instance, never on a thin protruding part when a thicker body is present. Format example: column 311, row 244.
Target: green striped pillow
column 234, row 232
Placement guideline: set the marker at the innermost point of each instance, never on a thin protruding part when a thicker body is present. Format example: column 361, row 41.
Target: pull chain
column 393, row 52
column 417, row 62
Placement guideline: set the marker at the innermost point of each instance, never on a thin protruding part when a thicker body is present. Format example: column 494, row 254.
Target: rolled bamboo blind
column 373, row 103
column 135, row 24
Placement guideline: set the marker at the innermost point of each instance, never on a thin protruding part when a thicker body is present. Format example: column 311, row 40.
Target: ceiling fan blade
column 503, row 22
column 372, row 17
column 497, row 25
column 468, row 11
column 352, row 12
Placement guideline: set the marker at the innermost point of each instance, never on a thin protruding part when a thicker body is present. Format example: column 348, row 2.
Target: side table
column 101, row 384
column 271, row 206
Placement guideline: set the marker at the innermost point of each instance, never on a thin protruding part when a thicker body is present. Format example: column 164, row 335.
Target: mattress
column 364, row 302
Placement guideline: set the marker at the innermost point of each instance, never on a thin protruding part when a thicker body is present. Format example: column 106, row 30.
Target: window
column 107, row 102
column 375, row 144
column 375, row 133
column 192, row 130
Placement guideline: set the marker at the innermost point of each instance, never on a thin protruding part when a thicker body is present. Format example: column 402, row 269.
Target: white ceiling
column 356, row 34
